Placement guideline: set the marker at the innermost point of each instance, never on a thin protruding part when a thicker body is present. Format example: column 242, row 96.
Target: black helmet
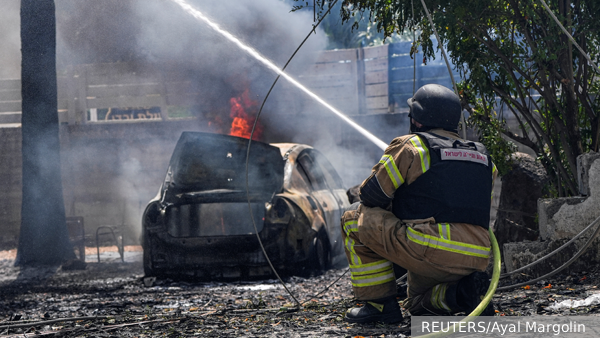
column 435, row 106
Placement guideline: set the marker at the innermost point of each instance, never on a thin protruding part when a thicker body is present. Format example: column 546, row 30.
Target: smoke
column 159, row 32
column 155, row 33
column 10, row 53
column 149, row 34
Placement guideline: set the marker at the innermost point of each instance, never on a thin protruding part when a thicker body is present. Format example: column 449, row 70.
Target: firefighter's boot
column 384, row 310
column 469, row 292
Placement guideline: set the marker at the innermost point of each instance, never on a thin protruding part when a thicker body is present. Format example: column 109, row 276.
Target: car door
column 326, row 192
column 336, row 187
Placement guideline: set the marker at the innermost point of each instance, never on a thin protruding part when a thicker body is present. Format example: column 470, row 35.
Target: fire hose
column 497, row 262
column 496, row 274
column 488, row 295
column 496, row 251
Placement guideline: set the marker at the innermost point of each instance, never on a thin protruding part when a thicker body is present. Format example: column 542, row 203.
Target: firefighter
column 425, row 207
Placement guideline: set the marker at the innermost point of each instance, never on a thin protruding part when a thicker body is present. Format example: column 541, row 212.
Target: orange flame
column 242, row 123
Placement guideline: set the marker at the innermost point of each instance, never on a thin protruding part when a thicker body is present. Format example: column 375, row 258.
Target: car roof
column 290, row 150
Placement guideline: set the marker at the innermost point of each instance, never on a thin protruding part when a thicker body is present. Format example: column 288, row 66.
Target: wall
column 111, row 170
column 113, row 166
column 560, row 219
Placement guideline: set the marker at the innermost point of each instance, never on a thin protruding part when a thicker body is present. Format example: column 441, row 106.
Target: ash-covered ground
column 113, row 299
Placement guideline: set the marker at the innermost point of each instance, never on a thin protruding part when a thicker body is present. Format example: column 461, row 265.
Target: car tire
column 320, row 257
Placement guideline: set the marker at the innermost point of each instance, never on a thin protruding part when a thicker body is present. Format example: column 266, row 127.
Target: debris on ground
column 113, row 298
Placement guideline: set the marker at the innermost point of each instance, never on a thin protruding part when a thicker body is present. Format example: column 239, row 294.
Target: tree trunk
column 43, row 238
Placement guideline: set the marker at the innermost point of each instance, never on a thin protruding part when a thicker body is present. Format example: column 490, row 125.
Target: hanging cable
column 504, row 275
column 586, row 55
column 562, row 267
column 496, row 250
column 587, row 244
column 248, row 155
column 441, row 47
column 327, row 288
column 589, row 241
column 412, row 8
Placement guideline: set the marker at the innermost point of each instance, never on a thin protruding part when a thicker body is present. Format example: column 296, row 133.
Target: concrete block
column 518, row 254
column 584, row 164
column 561, row 217
column 565, row 217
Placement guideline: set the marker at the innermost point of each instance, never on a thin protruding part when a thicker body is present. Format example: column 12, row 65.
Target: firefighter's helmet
column 435, row 106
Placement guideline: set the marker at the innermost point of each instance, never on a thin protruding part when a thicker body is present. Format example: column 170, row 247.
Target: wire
column 327, row 288
column 504, row 275
column 441, row 47
column 248, row 155
column 562, row 267
column 586, row 55
column 412, row 8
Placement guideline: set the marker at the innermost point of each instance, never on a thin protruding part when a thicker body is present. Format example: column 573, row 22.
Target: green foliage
column 512, row 54
column 490, row 127
column 355, row 32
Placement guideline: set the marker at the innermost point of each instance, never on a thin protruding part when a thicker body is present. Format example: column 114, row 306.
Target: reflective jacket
column 434, row 174
column 456, row 188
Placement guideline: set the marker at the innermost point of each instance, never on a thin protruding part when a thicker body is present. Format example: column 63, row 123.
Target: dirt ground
column 113, row 299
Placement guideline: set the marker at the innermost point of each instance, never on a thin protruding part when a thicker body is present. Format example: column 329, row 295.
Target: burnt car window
column 332, row 178
column 313, row 171
column 204, row 162
column 301, row 179
column 214, row 219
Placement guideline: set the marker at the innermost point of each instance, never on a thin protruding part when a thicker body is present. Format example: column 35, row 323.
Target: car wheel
column 320, row 257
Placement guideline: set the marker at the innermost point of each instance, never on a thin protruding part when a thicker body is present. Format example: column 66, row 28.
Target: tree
column 359, row 33
column 43, row 238
column 512, row 53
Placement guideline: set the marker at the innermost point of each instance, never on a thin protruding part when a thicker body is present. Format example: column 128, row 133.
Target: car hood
column 215, row 164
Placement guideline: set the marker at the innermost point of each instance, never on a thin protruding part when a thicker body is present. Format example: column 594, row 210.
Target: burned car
column 203, row 222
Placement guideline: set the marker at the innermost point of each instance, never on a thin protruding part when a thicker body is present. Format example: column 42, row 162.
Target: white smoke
column 10, row 53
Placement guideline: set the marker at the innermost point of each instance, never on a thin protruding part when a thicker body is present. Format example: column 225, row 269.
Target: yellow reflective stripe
column 379, row 307
column 423, row 152
column 447, row 245
column 444, row 230
column 364, row 269
column 443, row 298
column 392, row 170
column 350, row 247
column 494, row 169
column 351, row 226
column 438, row 297
column 376, row 279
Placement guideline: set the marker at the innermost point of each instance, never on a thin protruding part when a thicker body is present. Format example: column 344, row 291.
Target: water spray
column 252, row 52
column 382, row 145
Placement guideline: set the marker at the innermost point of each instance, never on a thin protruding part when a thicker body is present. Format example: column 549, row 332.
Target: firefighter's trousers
column 435, row 255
